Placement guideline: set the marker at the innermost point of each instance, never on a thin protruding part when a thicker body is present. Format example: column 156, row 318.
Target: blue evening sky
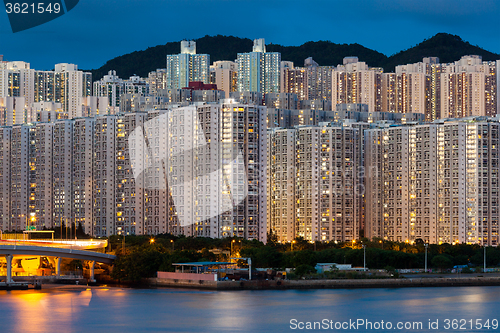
column 98, row 30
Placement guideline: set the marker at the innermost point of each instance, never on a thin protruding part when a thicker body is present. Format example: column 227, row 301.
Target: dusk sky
column 98, row 30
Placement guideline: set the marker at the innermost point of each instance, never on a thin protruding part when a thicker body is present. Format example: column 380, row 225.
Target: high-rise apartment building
column 437, row 182
column 158, row 205
column 314, row 183
column 82, row 189
column 311, row 82
column 110, row 86
column 62, row 172
column 226, row 75
column 47, row 112
column 66, row 85
column 104, row 180
column 5, row 177
column 319, row 81
column 355, row 82
column 467, row 87
column 157, row 81
column 14, row 110
column 259, row 71
column 295, row 81
column 44, row 190
column 17, row 80
column 281, row 175
column 130, row 197
column 204, row 172
column 243, row 129
column 113, row 88
column 22, row 177
column 187, row 67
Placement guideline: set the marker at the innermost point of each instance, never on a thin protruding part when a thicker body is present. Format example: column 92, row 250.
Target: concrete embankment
column 326, row 284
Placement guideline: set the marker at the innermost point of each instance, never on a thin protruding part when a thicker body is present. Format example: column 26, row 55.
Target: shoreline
column 407, row 282
column 324, row 284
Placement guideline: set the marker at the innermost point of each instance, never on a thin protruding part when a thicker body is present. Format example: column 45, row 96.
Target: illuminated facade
column 62, row 172
column 311, row 82
column 467, row 87
column 110, row 86
column 157, row 81
column 259, row 71
column 103, row 178
column 5, row 177
column 82, row 156
column 14, row 111
column 66, row 85
column 295, row 82
column 317, row 169
column 44, row 190
column 17, row 80
column 187, row 67
column 354, row 82
column 436, row 182
column 226, row 75
column 281, row 201
column 22, row 177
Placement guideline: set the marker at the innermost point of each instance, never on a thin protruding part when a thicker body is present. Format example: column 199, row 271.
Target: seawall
column 325, row 284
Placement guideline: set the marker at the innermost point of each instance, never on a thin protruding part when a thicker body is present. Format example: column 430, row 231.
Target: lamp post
column 232, row 242
column 426, row 245
column 484, row 269
column 172, row 241
column 364, row 258
column 293, row 242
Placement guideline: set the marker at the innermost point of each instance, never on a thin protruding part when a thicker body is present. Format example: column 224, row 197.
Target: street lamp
column 484, row 269
column 426, row 245
column 152, row 240
column 364, row 258
column 172, row 241
column 293, row 242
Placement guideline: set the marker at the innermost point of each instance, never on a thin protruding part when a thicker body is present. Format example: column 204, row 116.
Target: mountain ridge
column 446, row 47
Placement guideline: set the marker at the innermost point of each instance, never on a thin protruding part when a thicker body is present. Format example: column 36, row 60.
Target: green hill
column 327, row 53
column 445, row 46
column 448, row 48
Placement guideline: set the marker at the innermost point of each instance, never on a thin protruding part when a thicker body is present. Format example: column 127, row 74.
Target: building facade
column 259, row 71
column 187, row 67
column 313, row 176
column 436, row 182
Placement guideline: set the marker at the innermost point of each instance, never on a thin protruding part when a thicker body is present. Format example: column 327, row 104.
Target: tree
column 442, row 262
column 302, row 270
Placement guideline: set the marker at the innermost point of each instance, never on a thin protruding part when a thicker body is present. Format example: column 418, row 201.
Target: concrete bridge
column 11, row 250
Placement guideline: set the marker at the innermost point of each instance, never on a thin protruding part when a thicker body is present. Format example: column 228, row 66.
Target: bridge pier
column 92, row 267
column 58, row 266
column 8, row 258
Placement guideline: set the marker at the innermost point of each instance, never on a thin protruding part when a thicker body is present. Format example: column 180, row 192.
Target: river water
column 102, row 309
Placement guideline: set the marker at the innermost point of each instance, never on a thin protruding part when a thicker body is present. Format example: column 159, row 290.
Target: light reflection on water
column 70, row 309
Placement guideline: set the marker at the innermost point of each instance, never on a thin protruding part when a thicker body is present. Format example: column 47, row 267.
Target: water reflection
column 164, row 310
column 40, row 311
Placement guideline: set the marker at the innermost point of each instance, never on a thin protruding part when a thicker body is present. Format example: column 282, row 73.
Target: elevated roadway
column 56, row 249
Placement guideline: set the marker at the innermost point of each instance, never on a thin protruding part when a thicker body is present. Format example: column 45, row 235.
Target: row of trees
column 142, row 256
